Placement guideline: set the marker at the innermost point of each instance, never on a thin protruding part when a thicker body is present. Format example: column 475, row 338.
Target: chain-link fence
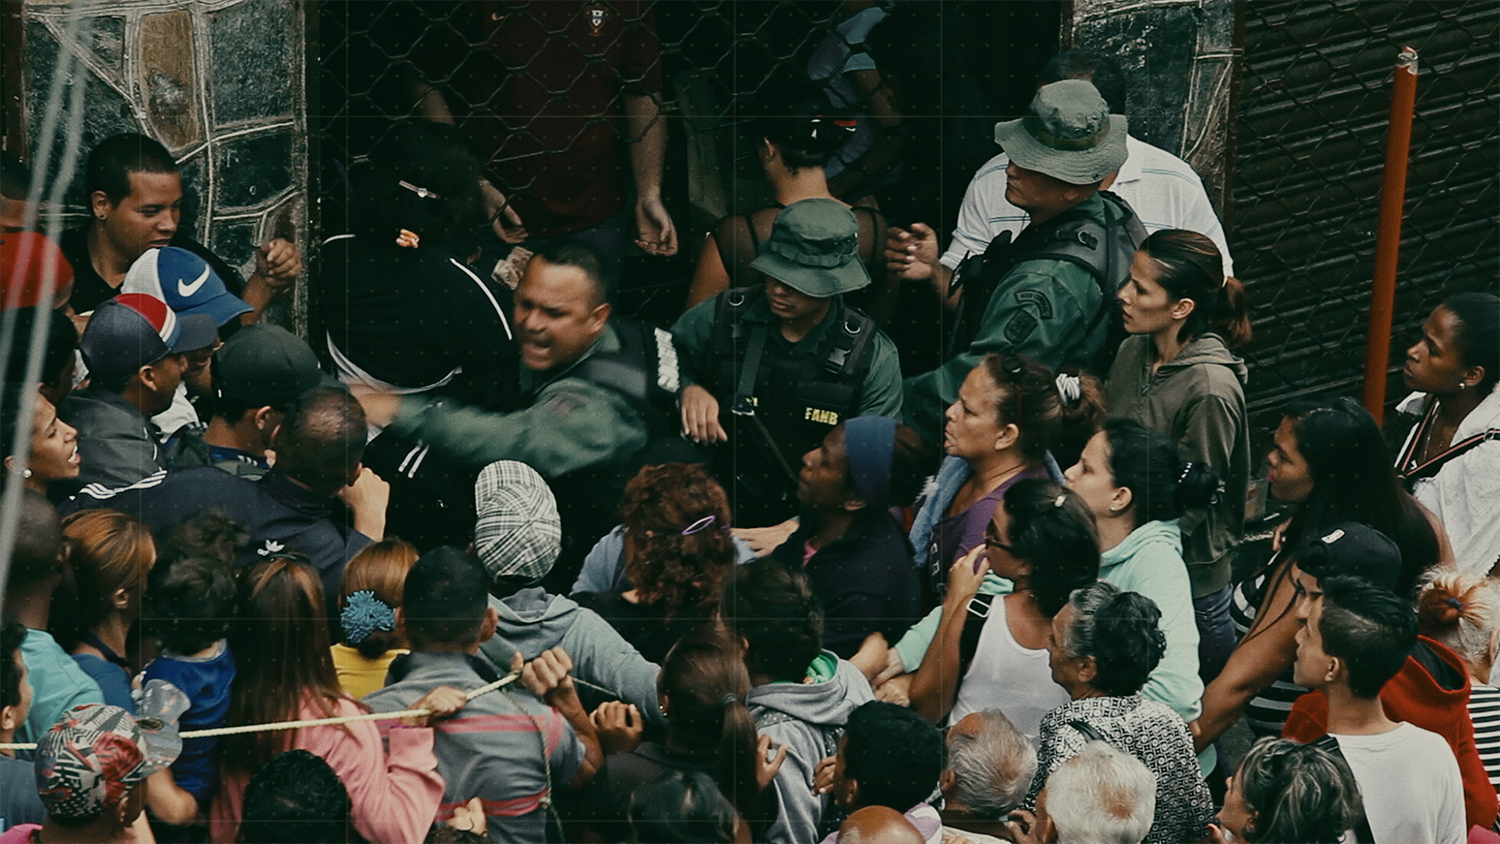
column 528, row 78
column 1311, row 140
column 1309, row 137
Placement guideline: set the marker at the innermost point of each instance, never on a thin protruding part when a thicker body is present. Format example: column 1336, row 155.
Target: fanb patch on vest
column 827, row 417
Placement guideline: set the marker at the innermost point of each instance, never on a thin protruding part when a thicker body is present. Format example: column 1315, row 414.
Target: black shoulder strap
column 1088, row 731
column 1362, row 832
column 626, row 371
column 979, row 613
column 745, row 388
column 853, row 347
column 1433, row 466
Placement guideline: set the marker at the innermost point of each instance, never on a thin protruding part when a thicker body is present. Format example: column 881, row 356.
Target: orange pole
column 1388, row 237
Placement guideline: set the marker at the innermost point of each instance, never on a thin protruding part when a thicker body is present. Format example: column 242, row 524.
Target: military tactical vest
column 644, row 371
column 797, row 398
column 1104, row 249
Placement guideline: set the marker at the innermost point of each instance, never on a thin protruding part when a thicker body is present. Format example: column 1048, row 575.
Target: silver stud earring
column 26, row 473
column 1462, row 385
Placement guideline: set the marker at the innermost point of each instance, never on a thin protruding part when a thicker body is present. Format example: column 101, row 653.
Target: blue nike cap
column 186, row 282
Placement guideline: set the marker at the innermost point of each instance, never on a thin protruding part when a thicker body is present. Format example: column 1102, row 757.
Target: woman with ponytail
column 677, row 550
column 1176, row 375
column 795, row 134
column 1451, row 459
column 1462, row 610
column 701, row 689
column 1133, row 483
column 370, row 593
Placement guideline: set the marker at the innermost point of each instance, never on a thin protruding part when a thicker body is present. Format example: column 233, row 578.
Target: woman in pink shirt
column 285, row 673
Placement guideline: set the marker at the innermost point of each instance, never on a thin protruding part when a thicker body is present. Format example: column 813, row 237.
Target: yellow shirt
column 359, row 676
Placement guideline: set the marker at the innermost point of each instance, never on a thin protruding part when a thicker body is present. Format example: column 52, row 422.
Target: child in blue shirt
column 189, row 600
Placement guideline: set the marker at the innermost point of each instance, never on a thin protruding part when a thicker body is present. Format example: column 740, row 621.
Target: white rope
column 277, row 726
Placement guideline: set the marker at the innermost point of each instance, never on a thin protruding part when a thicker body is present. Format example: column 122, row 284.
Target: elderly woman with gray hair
column 1105, row 643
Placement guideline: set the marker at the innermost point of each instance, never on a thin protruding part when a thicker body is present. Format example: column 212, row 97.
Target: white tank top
column 1008, row 677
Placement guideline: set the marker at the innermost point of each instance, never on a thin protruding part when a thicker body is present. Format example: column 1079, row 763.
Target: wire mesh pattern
column 376, row 57
column 1309, row 136
column 1311, row 139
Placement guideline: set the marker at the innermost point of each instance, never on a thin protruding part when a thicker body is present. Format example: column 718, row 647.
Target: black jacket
column 278, row 514
column 866, row 581
column 117, row 444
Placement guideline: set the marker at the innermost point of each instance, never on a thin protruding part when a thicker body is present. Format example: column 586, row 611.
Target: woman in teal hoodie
column 1131, row 479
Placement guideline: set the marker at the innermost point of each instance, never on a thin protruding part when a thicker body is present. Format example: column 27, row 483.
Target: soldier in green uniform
column 1054, row 299
column 776, row 366
column 594, row 386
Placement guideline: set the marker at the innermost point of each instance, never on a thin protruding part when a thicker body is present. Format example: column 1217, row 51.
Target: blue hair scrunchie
column 365, row 614
column 870, row 442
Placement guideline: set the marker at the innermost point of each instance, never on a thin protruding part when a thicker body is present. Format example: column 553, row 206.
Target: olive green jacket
column 1198, row 400
column 571, row 424
column 1042, row 308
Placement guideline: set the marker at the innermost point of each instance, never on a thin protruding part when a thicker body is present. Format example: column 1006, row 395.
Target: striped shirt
column 1484, row 711
column 1266, row 713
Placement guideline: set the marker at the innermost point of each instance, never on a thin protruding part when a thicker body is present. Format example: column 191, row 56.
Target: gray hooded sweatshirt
column 532, row 621
column 808, row 718
column 1197, row 400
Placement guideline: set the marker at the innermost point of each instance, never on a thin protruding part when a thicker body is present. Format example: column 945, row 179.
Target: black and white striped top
column 1266, row 713
column 1484, row 710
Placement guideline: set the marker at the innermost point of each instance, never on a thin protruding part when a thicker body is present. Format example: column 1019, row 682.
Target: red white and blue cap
column 91, row 758
column 185, row 282
column 134, row 330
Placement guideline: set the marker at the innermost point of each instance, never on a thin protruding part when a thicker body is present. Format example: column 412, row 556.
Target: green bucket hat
column 1069, row 135
column 814, row 249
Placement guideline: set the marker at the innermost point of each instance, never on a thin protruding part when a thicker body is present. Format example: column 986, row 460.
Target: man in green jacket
column 1044, row 307
column 776, row 367
column 577, row 426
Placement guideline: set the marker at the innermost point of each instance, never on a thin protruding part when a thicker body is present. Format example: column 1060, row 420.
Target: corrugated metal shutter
column 1310, row 151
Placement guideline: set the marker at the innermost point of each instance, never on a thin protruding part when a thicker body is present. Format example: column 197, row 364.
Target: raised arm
column 935, row 686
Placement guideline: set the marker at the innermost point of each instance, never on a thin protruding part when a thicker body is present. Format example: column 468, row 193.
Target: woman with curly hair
column 1104, row 644
column 1462, row 610
column 677, row 551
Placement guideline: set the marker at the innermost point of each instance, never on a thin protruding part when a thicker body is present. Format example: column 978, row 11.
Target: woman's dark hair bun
column 1197, row 486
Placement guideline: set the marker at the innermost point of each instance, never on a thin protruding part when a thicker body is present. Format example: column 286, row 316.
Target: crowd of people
column 482, row 560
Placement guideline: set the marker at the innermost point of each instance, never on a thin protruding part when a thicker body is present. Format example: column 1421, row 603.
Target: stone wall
column 1181, row 58
column 219, row 82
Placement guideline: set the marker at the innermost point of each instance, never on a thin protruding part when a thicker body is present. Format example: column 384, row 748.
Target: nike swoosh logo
column 186, row 290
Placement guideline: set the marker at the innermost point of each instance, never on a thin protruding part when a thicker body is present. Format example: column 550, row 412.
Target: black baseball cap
column 266, row 365
column 1352, row 549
